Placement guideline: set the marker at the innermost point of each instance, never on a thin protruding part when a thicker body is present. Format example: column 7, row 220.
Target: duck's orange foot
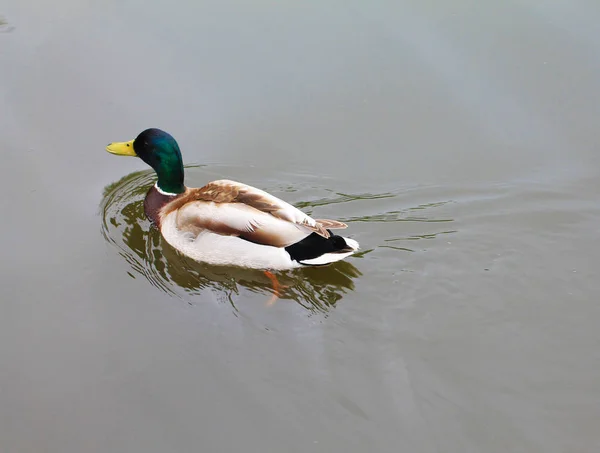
column 277, row 287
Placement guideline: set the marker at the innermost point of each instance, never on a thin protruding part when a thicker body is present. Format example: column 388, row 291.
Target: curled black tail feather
column 315, row 245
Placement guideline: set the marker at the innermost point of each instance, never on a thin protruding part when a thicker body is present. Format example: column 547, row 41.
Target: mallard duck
column 227, row 222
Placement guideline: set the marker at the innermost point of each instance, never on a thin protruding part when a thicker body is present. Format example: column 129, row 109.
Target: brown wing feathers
column 226, row 192
column 223, row 193
column 331, row 224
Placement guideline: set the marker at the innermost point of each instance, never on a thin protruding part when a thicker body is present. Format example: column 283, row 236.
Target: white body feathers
column 229, row 223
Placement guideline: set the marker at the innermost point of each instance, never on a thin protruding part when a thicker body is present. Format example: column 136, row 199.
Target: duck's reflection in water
column 125, row 225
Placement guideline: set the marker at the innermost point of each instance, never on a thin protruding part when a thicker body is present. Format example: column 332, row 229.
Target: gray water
column 459, row 141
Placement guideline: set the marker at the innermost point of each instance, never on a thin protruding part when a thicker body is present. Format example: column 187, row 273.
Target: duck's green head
column 159, row 150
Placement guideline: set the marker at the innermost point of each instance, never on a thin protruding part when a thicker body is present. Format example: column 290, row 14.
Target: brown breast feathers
column 155, row 201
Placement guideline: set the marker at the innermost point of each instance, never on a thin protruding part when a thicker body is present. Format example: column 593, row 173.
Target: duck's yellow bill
column 121, row 148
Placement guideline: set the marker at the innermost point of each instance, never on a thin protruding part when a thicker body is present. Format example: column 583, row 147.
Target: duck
column 227, row 222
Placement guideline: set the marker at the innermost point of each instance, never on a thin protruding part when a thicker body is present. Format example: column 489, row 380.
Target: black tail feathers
column 315, row 245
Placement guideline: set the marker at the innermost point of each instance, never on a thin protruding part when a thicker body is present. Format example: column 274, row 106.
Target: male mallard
column 227, row 222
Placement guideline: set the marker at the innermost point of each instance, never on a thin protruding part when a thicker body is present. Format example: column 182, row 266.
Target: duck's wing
column 237, row 219
column 265, row 208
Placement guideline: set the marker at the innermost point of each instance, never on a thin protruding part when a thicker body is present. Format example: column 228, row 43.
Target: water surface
column 457, row 139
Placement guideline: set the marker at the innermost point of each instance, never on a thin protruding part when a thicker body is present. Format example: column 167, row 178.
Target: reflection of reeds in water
column 125, row 226
column 4, row 26
column 413, row 238
column 402, row 215
column 340, row 198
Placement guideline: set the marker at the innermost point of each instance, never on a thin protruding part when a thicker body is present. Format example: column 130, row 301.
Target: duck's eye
column 127, row 144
